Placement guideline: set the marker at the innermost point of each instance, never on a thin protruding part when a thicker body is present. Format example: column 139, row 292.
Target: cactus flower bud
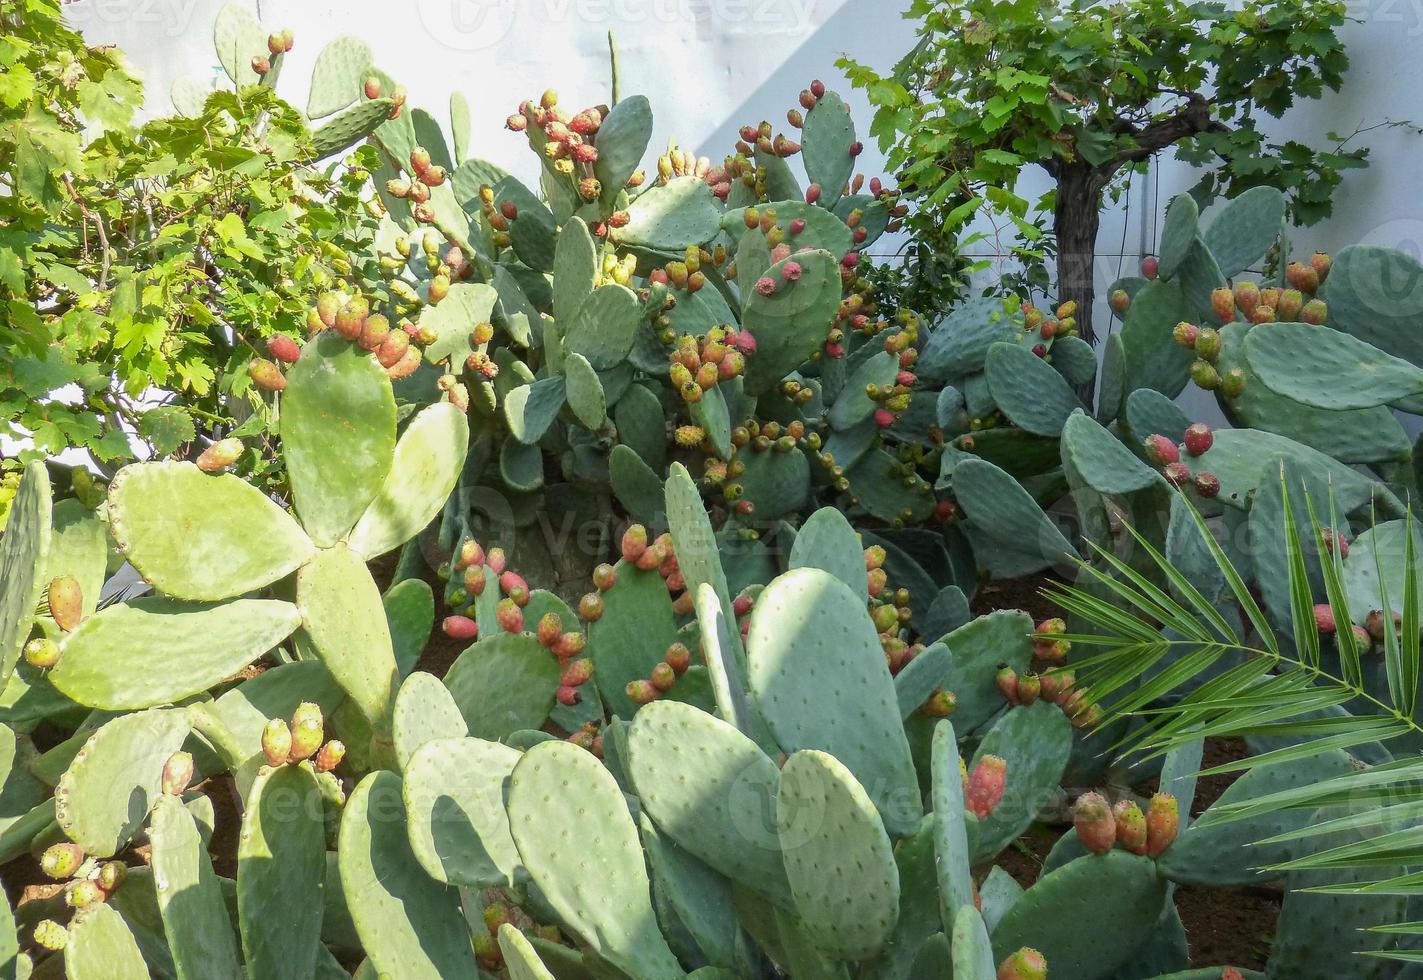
column 329, row 756
column 177, row 773
column 985, row 785
column 460, row 627
column 307, row 731
column 42, row 653
column 1163, row 822
column 276, row 742
column 1131, row 826
column 266, row 375
column 1026, row 964
column 62, row 860
column 66, row 602
column 1160, row 450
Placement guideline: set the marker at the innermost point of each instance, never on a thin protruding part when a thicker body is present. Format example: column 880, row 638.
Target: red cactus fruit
column 1185, row 334
column 941, row 704
column 266, row 375
column 329, row 756
column 509, row 616
column 591, row 607
column 605, row 577
column 985, row 785
column 1007, row 681
column 1163, row 823
column 1161, row 450
column 577, row 673
column 1150, row 267
column 549, row 629
column 634, row 543
column 220, row 455
column 1177, row 474
column 568, row 696
column 570, row 644
column 1198, row 438
column 1207, row 484
column 1026, row 964
column 642, row 692
column 1324, row 618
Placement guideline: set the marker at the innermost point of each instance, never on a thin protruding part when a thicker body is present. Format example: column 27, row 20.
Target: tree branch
column 1192, row 118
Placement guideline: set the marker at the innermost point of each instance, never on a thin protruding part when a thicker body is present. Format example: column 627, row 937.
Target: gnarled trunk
column 1076, row 221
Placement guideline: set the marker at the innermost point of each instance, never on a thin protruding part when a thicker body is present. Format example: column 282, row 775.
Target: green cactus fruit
column 985, row 785
column 1288, row 306
column 66, row 602
column 1030, row 688
column 308, row 731
column 329, row 756
column 1315, row 312
column 1163, row 823
column 42, row 653
column 1026, row 964
column 1208, row 344
column 1095, row 825
column 177, row 773
column 83, row 893
column 220, row 455
column 61, row 861
column 276, row 742
column 50, row 935
column 1131, row 826
column 1233, row 383
column 111, row 876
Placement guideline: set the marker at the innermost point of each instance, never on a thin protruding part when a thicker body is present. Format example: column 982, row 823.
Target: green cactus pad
column 1115, row 900
column 534, row 232
column 275, row 693
column 604, row 327
column 699, row 897
column 1100, row 459
column 561, row 800
column 410, row 617
column 79, row 547
column 970, row 947
column 669, row 217
column 344, row 619
column 1149, row 412
column 530, row 409
column 24, row 555
column 698, row 555
column 998, row 893
column 1199, row 277
column 723, row 815
column 1036, row 742
column 521, row 466
column 1383, row 546
column 454, row 803
column 838, row 858
column 153, row 651
column 350, row 127
column 790, row 324
column 950, row 827
column 776, row 483
column 918, row 905
column 199, row 536
column 826, row 139
column 585, row 392
column 1020, row 538
column 854, row 405
column 1245, row 229
column 520, row 958
column 1150, row 357
column 338, row 434
column 1359, row 436
column 1033, row 395
column 828, row 542
column 1178, row 233
column 636, row 486
column 636, row 628
column 780, row 180
column 1227, row 854
column 575, row 269
column 195, row 919
column 921, row 677
column 424, row 711
column 514, row 664
column 104, row 796
column 1113, row 386
column 958, row 344
column 639, row 419
column 1236, row 457
column 1328, row 369
column 1000, row 637
column 823, row 230
column 428, row 461
column 879, row 481
column 410, row 924
column 621, row 141
column 102, row 947
column 1075, row 360
column 238, row 37
column 949, row 611
column 281, row 863
column 815, row 659
column 1373, row 294
column 338, row 76
column 875, row 216
column 453, row 319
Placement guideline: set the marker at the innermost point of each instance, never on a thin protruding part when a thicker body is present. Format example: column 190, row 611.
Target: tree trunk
column 1077, row 218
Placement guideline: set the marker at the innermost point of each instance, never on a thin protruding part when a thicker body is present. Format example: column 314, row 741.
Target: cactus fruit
column 1120, row 301
column 62, row 861
column 986, row 783
column 83, row 893
column 1160, row 450
column 42, row 653
column 307, row 731
column 1198, row 438
column 509, row 616
column 111, row 876
column 1315, row 312
column 1223, row 304
column 1185, row 334
column 1095, row 824
column 266, row 375
column 1150, row 267
column 1046, row 643
column 1324, row 618
column 329, row 756
column 177, row 773
column 1207, row 484
column 50, row 935
column 220, row 455
column 1026, row 964
column 460, row 627
column 66, row 602
column 276, row 742
column 1163, row 823
column 1207, row 344
column 1131, row 826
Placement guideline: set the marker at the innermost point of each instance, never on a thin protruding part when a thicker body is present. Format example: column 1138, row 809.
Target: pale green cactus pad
column 195, row 920
column 24, row 551
column 102, row 947
column 454, row 803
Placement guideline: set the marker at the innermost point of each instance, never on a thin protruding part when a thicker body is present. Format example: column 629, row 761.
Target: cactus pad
column 838, row 858
column 605, row 326
column 338, row 76
column 514, row 664
column 1035, row 741
column 636, row 628
column 424, row 711
column 790, row 324
column 621, row 141
column 454, row 802
column 1328, row 369
column 102, row 947
column 1027, row 389
column 189, row 894
column 561, row 800
column 24, row 551
column 828, row 542
column 669, row 217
